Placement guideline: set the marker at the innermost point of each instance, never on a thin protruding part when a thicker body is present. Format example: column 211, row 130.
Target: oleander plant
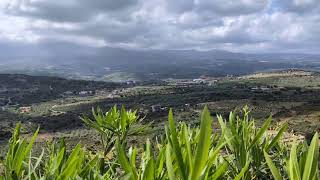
column 239, row 150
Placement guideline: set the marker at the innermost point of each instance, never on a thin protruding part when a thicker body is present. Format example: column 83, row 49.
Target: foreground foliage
column 239, row 150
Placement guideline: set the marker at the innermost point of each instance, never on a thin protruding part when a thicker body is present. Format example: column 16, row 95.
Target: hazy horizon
column 42, row 28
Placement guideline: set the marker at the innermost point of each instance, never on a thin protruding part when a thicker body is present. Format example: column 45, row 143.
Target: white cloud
column 243, row 25
column 16, row 29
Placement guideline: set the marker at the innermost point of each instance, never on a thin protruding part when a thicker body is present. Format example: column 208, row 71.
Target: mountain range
column 103, row 63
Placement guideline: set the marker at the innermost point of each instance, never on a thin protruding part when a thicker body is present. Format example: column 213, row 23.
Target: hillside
column 97, row 64
column 25, row 90
column 55, row 104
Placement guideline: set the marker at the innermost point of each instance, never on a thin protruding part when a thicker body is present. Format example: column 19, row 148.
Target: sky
column 253, row 26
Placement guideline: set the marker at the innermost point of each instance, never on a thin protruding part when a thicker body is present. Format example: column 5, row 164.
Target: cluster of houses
column 86, row 93
column 262, row 88
column 131, row 82
column 266, row 88
column 201, row 80
column 80, row 93
column 157, row 108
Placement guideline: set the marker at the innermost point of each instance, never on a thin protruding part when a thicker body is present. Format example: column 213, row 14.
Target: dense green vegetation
column 25, row 90
column 239, row 151
column 56, row 104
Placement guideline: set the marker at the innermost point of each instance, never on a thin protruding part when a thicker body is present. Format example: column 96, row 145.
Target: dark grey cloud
column 68, row 10
column 230, row 7
column 299, row 6
column 218, row 7
column 180, row 6
column 242, row 25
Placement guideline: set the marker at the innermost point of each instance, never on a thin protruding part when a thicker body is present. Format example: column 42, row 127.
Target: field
column 55, row 104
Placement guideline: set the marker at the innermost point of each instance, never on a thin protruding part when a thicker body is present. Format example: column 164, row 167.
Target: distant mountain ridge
column 95, row 63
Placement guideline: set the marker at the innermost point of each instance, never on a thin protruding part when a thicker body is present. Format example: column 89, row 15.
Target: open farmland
column 266, row 94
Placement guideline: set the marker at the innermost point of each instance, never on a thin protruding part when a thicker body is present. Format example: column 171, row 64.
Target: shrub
column 239, row 151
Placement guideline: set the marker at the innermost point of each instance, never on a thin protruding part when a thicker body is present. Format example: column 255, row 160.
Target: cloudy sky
column 236, row 25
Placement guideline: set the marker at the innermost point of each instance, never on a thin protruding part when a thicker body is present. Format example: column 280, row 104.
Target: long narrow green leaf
column 74, row 154
column 89, row 166
column 262, row 130
column 123, row 119
column 272, row 167
column 124, row 162
column 294, row 170
column 160, row 162
column 243, row 171
column 202, row 152
column 188, row 147
column 277, row 137
column 24, row 151
column 19, row 157
column 226, row 132
column 32, row 169
column 133, row 156
column 70, row 170
column 220, row 171
column 149, row 170
column 312, row 159
column 176, row 145
column 169, row 162
column 60, row 156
